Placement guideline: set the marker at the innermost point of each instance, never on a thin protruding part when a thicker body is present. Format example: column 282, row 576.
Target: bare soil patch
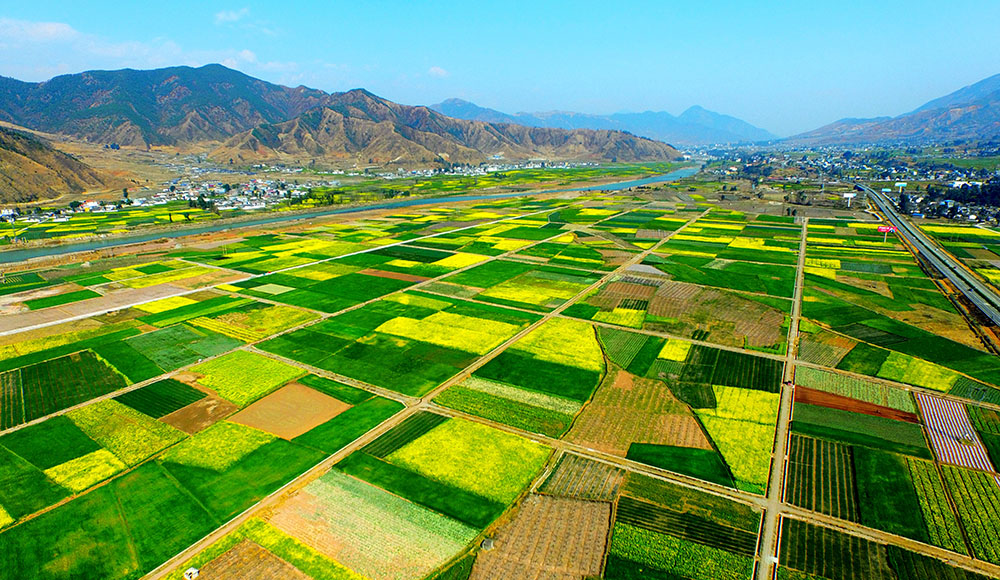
column 249, row 561
column 200, row 414
column 551, row 538
column 290, row 411
column 208, row 279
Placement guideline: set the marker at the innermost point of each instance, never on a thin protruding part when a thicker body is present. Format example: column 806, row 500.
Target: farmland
column 593, row 383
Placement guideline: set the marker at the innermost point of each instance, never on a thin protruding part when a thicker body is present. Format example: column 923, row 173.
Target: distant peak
column 360, row 93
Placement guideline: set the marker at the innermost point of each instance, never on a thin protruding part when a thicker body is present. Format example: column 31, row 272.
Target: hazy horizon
column 785, row 67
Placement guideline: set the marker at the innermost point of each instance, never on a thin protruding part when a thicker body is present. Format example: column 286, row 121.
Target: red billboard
column 886, row 229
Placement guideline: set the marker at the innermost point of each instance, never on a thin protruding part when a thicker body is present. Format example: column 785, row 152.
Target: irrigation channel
column 20, row 255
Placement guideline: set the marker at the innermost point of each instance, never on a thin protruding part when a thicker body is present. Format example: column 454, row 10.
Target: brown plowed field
column 290, row 411
column 551, row 538
column 627, row 409
column 832, row 401
column 248, row 561
column 629, row 290
column 577, row 477
column 200, row 414
column 615, row 257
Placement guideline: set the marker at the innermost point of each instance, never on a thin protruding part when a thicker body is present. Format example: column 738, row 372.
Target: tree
column 74, row 204
column 173, row 188
column 125, row 192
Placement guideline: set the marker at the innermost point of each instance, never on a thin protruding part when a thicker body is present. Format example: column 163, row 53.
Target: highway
column 978, row 292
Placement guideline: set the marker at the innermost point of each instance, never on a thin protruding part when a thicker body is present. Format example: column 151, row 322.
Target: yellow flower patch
column 165, row 304
column 564, row 341
column 475, row 335
column 81, row 473
column 829, row 273
column 460, row 260
column 675, row 349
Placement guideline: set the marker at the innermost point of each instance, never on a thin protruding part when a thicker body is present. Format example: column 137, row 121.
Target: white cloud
column 438, row 72
column 227, row 16
column 15, row 31
column 37, row 51
column 244, row 56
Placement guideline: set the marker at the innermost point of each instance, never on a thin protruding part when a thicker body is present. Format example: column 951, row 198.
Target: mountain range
column 968, row 114
column 695, row 126
column 247, row 119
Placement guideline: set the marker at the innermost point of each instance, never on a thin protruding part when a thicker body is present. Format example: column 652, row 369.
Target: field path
column 767, row 544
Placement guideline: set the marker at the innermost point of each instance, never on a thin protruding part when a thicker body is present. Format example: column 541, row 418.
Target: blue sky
column 785, row 66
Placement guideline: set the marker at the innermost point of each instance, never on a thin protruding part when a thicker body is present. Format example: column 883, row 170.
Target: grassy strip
column 60, row 299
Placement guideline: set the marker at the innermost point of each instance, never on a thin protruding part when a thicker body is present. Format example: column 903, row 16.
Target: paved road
column 776, row 485
column 978, row 292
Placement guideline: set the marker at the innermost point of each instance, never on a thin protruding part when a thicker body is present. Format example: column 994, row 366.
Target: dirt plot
column 833, row 401
column 551, row 538
column 248, row 561
column 581, row 478
column 290, row 411
column 208, row 279
column 200, row 414
column 615, row 257
column 627, row 409
column 393, row 275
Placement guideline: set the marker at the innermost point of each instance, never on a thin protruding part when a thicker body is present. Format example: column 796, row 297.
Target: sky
column 784, row 66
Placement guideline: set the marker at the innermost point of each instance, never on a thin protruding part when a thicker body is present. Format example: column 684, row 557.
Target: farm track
column 766, row 564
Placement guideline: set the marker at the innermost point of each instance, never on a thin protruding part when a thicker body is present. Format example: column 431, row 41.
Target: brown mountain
column 31, row 170
column 359, row 126
column 162, row 106
column 968, row 114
